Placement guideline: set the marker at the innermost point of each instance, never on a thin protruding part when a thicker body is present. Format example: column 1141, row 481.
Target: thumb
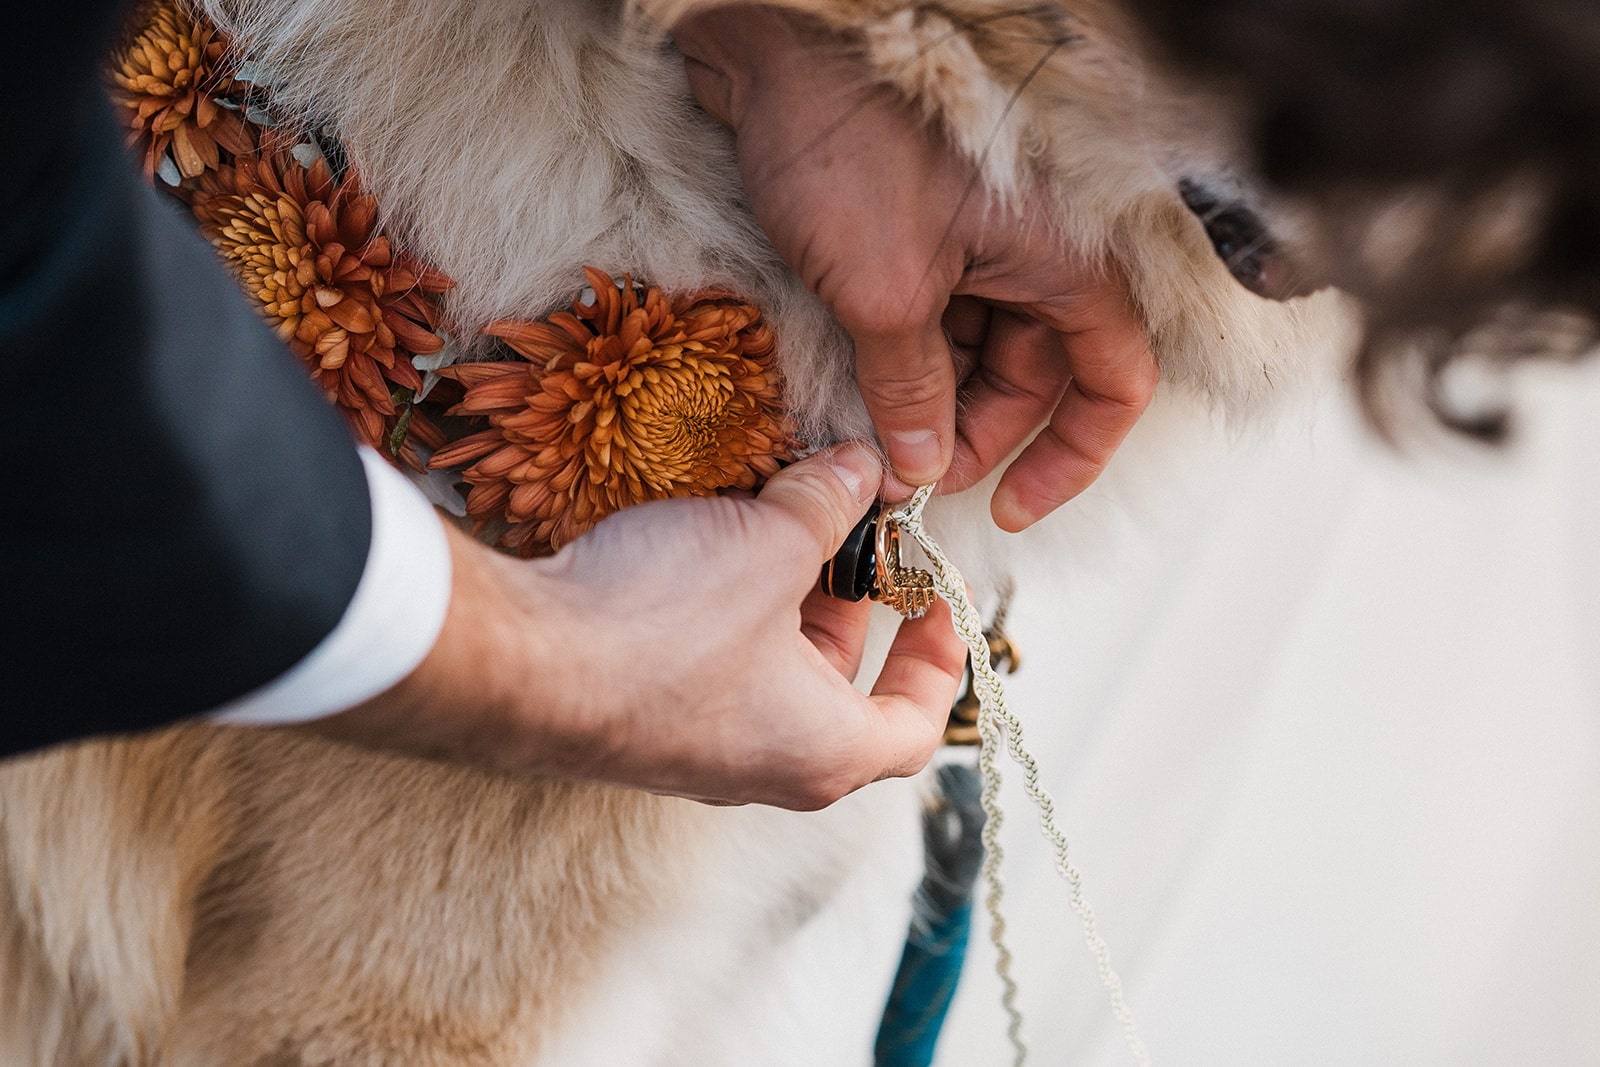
column 908, row 382
column 824, row 495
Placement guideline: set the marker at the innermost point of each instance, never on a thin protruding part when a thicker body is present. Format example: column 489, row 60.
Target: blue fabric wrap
column 930, row 967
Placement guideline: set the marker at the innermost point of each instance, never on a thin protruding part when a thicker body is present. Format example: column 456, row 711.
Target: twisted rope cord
column 996, row 722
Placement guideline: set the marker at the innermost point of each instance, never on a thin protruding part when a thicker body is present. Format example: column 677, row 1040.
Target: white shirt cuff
column 392, row 621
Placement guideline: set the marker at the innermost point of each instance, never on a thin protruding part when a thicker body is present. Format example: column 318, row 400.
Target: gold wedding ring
column 908, row 590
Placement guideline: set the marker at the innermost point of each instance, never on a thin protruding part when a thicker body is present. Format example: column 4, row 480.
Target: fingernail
column 855, row 466
column 916, row 455
column 1008, row 512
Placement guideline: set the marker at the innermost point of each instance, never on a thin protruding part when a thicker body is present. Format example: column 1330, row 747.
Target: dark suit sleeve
column 185, row 516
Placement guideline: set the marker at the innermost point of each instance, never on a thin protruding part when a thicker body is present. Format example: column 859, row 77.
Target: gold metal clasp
column 962, row 726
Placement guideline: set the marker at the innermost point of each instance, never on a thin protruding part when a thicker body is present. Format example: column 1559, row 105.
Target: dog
column 209, row 895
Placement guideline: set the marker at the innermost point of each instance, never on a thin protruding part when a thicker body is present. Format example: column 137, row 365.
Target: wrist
column 490, row 691
column 531, row 643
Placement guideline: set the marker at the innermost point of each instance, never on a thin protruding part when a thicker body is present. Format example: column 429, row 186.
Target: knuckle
column 1038, row 393
column 887, row 307
column 821, row 512
column 1149, row 381
column 927, row 741
column 1140, row 384
column 923, row 755
column 1129, row 390
column 904, row 392
column 1092, row 455
column 823, row 793
column 955, row 650
column 797, row 538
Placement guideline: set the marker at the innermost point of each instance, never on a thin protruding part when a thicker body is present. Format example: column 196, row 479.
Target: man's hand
column 681, row 647
column 885, row 223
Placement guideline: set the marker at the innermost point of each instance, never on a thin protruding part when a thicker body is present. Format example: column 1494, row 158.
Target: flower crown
column 632, row 395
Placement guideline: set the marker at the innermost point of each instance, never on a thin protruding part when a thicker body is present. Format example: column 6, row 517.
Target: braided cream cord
column 996, row 722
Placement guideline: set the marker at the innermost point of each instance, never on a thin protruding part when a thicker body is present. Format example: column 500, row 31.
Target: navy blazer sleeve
column 185, row 516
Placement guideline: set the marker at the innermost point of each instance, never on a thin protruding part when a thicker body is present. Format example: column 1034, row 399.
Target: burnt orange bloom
column 167, row 75
column 309, row 251
column 630, row 398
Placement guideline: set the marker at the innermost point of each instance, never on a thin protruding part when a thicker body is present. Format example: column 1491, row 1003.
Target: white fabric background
column 1324, row 730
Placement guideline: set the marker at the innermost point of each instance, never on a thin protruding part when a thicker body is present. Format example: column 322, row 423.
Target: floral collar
column 632, row 395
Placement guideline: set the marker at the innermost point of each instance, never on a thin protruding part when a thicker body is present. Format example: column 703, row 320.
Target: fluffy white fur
column 207, row 896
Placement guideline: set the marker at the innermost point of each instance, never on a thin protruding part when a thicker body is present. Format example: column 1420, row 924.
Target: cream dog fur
column 209, row 896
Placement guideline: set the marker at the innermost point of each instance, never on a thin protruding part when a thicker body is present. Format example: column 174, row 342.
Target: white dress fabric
column 1323, row 727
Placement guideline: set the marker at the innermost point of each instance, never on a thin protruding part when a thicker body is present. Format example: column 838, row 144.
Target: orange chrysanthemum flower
column 308, row 249
column 630, row 398
column 167, row 76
